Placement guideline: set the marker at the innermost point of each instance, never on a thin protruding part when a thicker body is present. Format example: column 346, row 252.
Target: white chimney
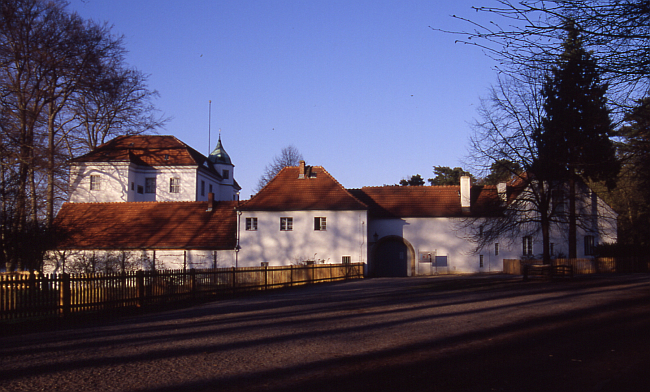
column 465, row 186
column 501, row 191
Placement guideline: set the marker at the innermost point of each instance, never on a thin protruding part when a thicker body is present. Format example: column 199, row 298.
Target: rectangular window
column 557, row 200
column 174, row 185
column 95, row 183
column 496, row 249
column 150, row 185
column 286, row 224
column 320, row 223
column 590, row 245
column 226, row 174
column 251, row 224
column 140, row 189
column 346, row 259
column 480, row 261
column 132, row 185
column 528, row 246
column 202, row 188
column 210, row 187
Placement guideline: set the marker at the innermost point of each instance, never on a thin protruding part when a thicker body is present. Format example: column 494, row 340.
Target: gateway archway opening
column 392, row 257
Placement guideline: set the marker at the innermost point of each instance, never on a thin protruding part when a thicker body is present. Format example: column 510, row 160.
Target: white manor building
column 151, row 168
column 156, row 199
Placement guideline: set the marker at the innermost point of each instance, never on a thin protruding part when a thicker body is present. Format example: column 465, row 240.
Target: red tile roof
column 150, row 225
column 426, row 201
column 318, row 190
column 149, row 150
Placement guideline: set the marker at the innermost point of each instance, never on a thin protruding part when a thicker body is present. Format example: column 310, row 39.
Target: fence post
column 193, row 282
column 65, row 295
column 266, row 277
column 139, row 284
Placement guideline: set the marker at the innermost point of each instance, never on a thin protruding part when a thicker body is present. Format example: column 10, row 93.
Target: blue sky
column 364, row 88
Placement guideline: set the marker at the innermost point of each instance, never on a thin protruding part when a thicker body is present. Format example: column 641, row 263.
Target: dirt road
column 472, row 333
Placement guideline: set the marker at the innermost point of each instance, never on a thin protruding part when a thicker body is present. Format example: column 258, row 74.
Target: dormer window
column 166, row 157
column 226, row 174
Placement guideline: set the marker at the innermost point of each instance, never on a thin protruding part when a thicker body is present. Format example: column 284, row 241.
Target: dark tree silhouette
column 573, row 141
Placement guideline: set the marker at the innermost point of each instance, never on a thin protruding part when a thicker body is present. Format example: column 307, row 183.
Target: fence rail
column 24, row 295
column 583, row 266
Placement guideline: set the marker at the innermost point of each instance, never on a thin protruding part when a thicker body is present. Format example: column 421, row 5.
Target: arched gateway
column 393, row 256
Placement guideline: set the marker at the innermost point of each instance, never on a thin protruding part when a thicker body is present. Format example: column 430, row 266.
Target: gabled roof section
column 427, row 201
column 147, row 225
column 303, row 188
column 145, row 150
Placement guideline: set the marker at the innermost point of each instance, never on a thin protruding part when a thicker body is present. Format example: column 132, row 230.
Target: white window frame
column 95, row 182
column 286, row 223
column 251, row 224
column 175, row 185
column 320, row 223
column 527, row 246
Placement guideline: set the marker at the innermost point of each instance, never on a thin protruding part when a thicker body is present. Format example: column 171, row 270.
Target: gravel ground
column 458, row 333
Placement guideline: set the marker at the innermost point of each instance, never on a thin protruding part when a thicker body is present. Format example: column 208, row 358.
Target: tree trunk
column 573, row 249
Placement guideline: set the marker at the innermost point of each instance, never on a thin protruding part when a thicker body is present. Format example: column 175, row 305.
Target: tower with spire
column 222, row 164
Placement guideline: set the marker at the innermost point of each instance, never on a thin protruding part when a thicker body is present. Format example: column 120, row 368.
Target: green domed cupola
column 219, row 154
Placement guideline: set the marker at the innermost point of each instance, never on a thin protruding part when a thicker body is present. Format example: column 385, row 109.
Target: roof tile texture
column 150, row 225
column 152, row 150
column 426, row 201
column 318, row 190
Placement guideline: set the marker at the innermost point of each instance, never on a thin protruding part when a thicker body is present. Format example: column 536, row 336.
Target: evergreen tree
column 447, row 176
column 574, row 138
column 415, row 180
column 502, row 170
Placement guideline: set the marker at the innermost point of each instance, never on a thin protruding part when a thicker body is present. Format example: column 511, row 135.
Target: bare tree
column 504, row 132
column 53, row 64
column 529, row 35
column 119, row 103
column 289, row 156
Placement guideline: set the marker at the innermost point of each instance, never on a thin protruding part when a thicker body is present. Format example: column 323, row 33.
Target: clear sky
column 364, row 88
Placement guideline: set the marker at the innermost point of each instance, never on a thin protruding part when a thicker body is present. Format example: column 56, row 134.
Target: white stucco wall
column 174, row 259
column 121, row 182
column 345, row 236
column 440, row 237
column 114, row 182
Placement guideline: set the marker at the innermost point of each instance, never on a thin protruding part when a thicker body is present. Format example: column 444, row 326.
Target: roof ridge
column 342, row 187
column 266, row 185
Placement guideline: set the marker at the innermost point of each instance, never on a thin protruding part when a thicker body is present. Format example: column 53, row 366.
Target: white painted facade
column 104, row 180
column 127, row 182
column 436, row 237
column 344, row 236
column 59, row 261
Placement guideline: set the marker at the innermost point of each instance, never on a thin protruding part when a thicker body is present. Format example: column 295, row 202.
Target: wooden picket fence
column 583, row 266
column 25, row 295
